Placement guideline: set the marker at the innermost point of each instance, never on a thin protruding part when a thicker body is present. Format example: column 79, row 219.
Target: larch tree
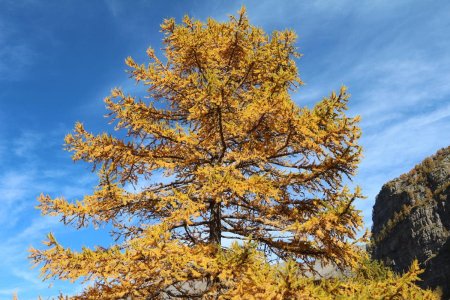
column 242, row 162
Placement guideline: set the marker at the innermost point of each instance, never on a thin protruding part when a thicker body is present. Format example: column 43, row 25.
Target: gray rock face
column 411, row 220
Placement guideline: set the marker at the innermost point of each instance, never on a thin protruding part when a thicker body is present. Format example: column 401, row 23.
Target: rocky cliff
column 411, row 219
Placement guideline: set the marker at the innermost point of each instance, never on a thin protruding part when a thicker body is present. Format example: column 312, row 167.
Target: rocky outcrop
column 411, row 220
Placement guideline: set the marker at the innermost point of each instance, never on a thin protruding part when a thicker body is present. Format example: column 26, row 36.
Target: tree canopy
column 220, row 153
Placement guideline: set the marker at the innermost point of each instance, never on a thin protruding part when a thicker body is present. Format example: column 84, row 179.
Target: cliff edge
column 411, row 220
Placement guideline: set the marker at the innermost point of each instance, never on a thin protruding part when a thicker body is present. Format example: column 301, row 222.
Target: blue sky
column 59, row 59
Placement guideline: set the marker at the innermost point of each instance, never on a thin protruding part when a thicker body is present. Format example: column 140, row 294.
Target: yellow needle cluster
column 242, row 162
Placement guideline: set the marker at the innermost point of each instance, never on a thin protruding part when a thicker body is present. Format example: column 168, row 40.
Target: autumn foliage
column 240, row 162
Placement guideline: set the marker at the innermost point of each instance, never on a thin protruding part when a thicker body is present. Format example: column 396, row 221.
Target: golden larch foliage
column 241, row 162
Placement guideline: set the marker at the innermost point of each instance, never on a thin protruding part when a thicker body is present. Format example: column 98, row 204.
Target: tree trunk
column 215, row 231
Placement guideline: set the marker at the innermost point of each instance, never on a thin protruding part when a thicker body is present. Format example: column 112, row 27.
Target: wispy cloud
column 21, row 225
column 13, row 258
column 396, row 148
column 399, row 87
column 14, row 248
column 16, row 54
column 8, row 292
column 25, row 144
column 13, row 188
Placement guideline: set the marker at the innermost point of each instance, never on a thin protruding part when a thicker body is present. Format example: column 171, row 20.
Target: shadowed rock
column 411, row 220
